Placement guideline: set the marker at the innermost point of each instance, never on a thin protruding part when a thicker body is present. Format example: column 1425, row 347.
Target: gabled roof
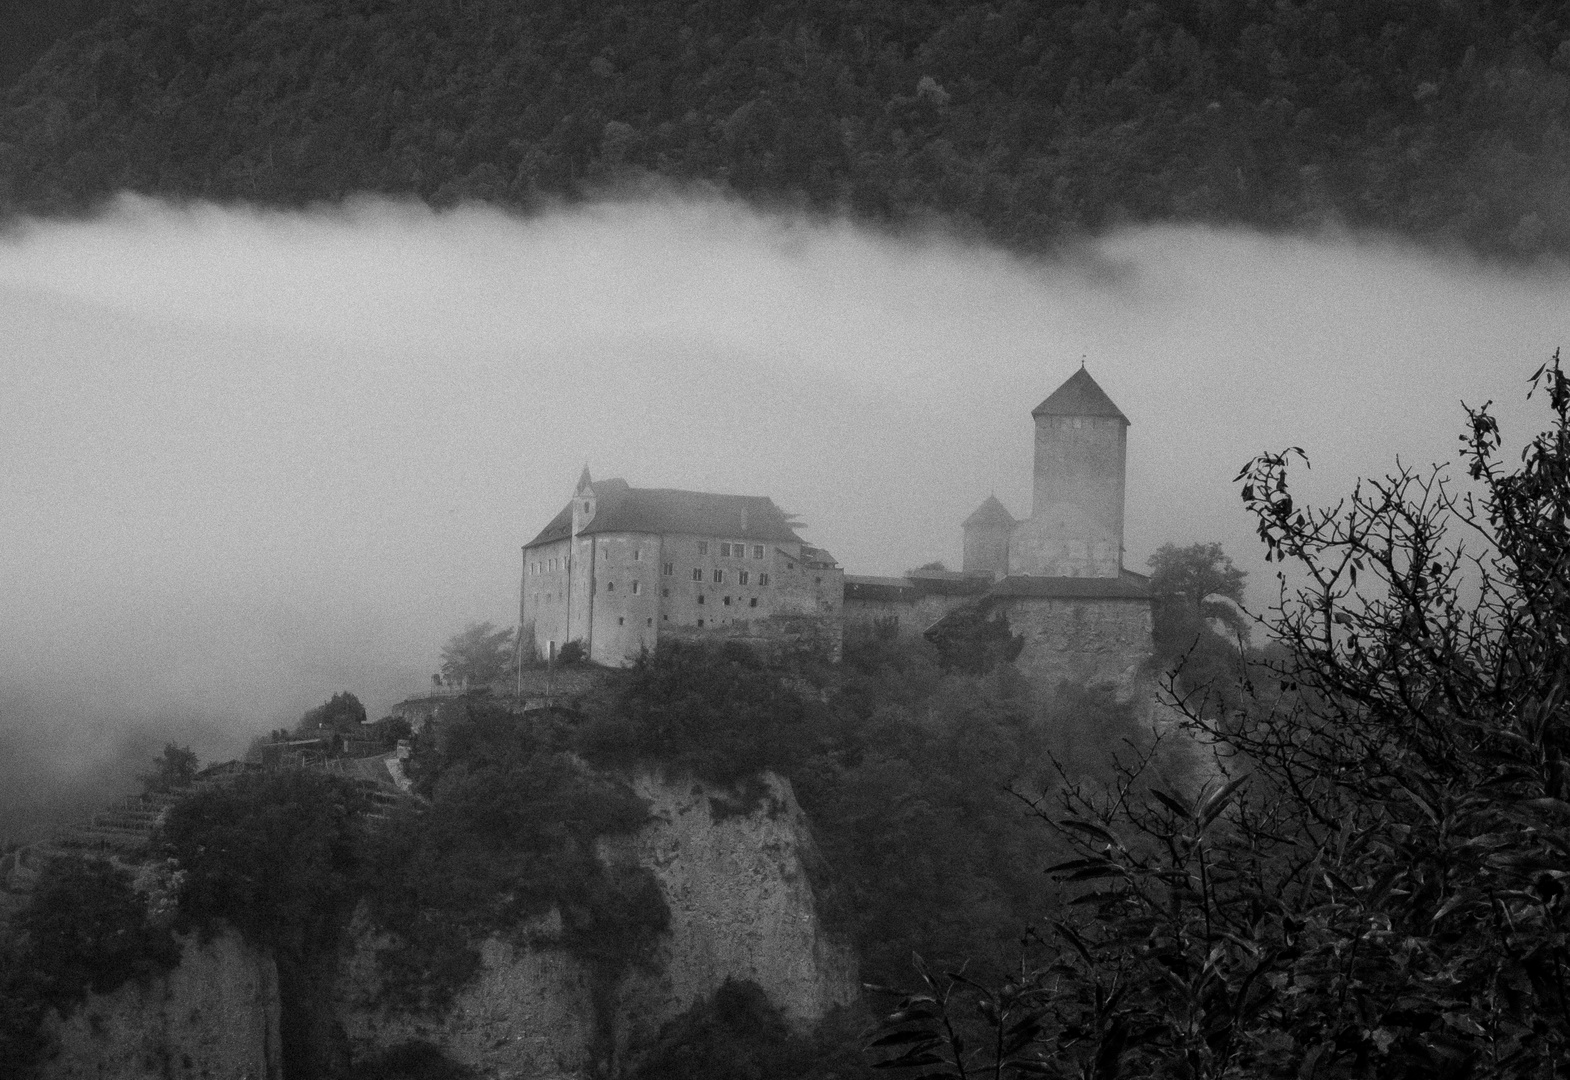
column 1079, row 396
column 990, row 512
column 620, row 508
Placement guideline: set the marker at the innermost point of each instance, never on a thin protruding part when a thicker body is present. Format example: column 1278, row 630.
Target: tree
column 173, row 769
column 341, row 714
column 1378, row 888
column 1194, row 586
column 478, row 656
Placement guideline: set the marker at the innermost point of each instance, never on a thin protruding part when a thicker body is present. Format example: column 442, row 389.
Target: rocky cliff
column 731, row 870
column 213, row 1017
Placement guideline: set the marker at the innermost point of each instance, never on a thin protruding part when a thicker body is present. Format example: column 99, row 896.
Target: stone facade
column 621, row 567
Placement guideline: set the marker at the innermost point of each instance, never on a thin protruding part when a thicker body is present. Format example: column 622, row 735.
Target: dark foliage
column 974, row 640
column 1025, row 122
column 572, row 652
column 85, row 930
column 173, row 769
column 1196, row 588
column 410, row 1061
column 341, row 714
column 277, row 855
column 508, row 836
column 1381, row 892
column 478, row 656
column 739, row 1035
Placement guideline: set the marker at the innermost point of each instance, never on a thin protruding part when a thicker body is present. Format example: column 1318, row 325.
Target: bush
column 739, row 1035
column 509, row 835
column 413, row 1060
column 84, row 930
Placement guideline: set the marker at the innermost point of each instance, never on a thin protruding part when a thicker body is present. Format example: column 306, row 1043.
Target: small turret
column 987, row 538
column 583, row 502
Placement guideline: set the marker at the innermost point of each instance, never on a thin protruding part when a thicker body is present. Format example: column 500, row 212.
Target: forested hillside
column 1025, row 121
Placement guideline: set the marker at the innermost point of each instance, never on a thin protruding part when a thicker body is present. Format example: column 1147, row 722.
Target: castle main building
column 619, row 567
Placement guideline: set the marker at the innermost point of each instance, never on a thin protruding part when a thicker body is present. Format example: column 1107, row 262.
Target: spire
column 584, row 483
column 1079, row 396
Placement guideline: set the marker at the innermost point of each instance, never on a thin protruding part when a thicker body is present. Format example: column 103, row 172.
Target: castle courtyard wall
column 1101, row 640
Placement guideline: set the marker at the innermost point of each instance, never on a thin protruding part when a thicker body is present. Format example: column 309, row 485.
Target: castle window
column 719, row 577
column 610, row 586
column 757, row 551
column 753, row 602
column 585, row 508
column 648, row 621
column 817, row 581
column 665, row 592
column 667, row 618
column 700, row 598
column 727, row 601
column 637, row 587
column 637, row 554
column 700, row 622
column 670, row 569
column 697, row 573
column 725, row 550
column 763, row 579
column 703, row 547
column 621, row 620
column 742, row 576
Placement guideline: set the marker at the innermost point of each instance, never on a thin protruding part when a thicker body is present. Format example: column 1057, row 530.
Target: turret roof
column 620, row 508
column 990, row 512
column 1079, row 396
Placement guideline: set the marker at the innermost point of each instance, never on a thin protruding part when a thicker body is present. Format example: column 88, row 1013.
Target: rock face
column 732, row 873
column 741, row 908
column 214, row 1017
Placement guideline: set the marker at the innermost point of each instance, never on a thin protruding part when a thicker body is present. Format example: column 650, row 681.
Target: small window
column 606, row 554
column 727, row 601
column 719, row 577
column 637, row 554
column 700, row 598
column 648, row 621
column 700, row 622
column 697, row 573
column 610, row 586
column 637, row 587
column 621, row 620
column 757, row 551
column 670, row 569
column 753, row 602
column 817, row 581
column 742, row 576
column 665, row 592
column 703, row 547
column 725, row 551
column 667, row 618
column 585, row 508
column 763, row 579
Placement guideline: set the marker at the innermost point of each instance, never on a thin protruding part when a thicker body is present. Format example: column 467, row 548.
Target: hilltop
column 1024, row 123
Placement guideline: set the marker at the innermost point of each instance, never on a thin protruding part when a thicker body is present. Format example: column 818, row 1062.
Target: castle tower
column 987, row 538
column 1076, row 519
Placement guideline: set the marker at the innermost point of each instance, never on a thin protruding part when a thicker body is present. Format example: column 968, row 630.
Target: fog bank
column 249, row 459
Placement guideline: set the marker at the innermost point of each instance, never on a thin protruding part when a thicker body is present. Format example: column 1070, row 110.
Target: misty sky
column 249, row 459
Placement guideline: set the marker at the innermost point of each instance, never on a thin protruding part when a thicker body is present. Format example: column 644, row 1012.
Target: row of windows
column 732, row 549
column 743, row 577
column 728, row 550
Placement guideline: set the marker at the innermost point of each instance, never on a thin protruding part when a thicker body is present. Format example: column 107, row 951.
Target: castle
column 620, row 567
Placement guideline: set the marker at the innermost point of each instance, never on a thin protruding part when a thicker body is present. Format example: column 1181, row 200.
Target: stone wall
column 1103, row 640
column 741, row 908
column 213, row 1017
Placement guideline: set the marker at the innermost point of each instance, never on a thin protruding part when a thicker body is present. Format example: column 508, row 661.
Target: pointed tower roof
column 990, row 512
column 584, row 483
column 1079, row 396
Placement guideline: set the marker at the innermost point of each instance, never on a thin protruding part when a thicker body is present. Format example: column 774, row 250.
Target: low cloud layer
column 248, row 459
